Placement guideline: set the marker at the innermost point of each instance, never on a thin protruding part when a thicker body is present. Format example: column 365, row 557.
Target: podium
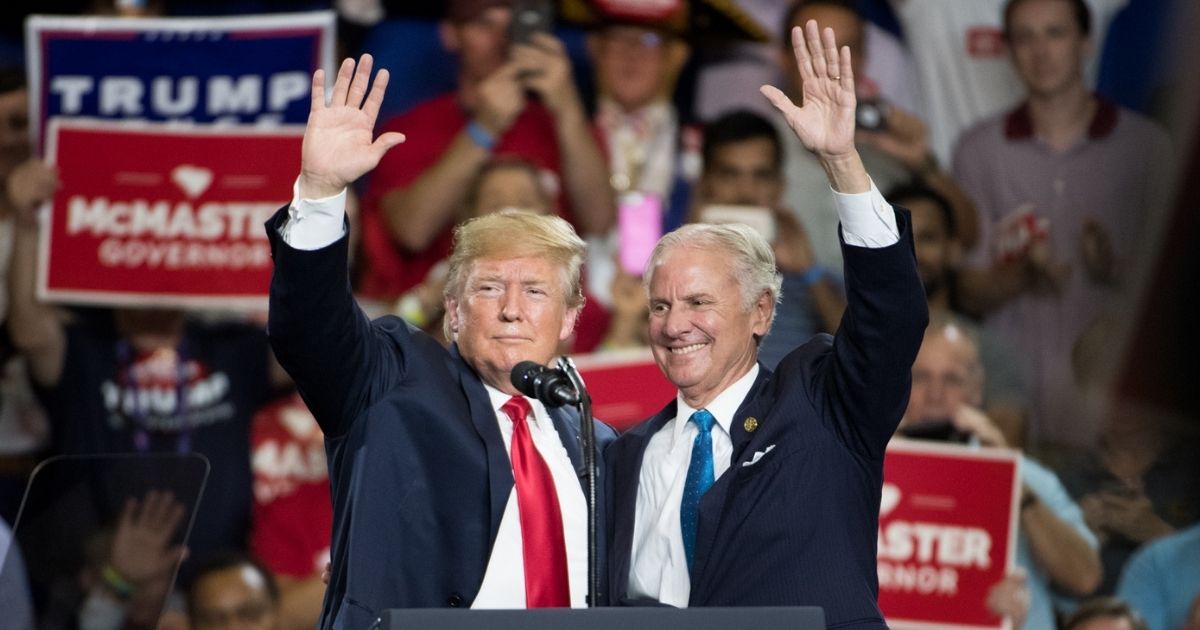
column 657, row 618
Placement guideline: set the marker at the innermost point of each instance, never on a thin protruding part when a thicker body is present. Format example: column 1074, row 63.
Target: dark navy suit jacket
column 417, row 465
column 799, row 526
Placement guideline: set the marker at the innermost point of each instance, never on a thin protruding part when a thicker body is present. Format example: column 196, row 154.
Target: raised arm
column 317, row 331
column 35, row 326
column 863, row 388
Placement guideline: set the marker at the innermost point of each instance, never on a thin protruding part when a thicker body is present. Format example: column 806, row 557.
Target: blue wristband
column 814, row 275
column 480, row 136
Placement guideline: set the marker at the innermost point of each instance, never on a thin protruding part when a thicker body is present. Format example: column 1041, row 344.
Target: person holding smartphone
column 514, row 99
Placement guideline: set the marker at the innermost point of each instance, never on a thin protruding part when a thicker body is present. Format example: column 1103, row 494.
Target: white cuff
column 314, row 223
column 867, row 218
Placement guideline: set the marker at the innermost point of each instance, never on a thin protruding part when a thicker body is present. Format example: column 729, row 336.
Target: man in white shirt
column 448, row 487
column 757, row 488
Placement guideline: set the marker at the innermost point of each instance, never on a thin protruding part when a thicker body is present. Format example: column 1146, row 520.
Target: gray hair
column 751, row 259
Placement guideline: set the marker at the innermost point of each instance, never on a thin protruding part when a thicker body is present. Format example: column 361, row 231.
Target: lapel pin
column 750, row 424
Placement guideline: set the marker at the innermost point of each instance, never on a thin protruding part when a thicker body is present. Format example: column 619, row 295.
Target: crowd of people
column 1034, row 204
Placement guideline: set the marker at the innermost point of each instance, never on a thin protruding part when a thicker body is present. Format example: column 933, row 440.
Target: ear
column 762, row 312
column 568, row 323
column 448, row 35
column 453, row 320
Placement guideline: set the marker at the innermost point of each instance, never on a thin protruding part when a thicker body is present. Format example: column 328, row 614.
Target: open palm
column 825, row 121
column 339, row 144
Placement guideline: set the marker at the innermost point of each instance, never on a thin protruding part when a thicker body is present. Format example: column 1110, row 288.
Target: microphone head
column 522, row 377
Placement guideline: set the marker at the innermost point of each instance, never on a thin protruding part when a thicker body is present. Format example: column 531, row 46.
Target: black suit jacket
column 417, row 465
column 799, row 525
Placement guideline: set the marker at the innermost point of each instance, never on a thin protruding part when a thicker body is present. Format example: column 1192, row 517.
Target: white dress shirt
column 658, row 569
column 504, row 582
column 658, row 557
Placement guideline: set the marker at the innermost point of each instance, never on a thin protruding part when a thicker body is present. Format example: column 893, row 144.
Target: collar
column 1018, row 124
column 723, row 407
column 498, row 398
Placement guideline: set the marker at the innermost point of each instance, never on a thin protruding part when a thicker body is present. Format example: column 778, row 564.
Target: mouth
column 683, row 350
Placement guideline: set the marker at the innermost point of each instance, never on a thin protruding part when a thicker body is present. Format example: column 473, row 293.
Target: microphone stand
column 588, row 439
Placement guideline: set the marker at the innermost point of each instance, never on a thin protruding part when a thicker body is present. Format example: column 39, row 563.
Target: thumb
column 385, row 142
column 777, row 98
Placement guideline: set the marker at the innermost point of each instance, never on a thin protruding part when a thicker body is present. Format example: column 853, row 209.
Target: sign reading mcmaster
column 237, row 70
column 150, row 215
column 947, row 533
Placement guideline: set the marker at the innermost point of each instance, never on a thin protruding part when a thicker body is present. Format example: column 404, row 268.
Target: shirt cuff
column 314, row 223
column 868, row 220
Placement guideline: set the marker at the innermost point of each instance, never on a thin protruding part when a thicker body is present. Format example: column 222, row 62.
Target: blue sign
column 239, row 70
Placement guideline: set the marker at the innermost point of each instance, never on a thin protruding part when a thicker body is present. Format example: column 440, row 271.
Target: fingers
column 318, row 90
column 375, row 98
column 803, row 59
column 358, row 85
column 341, row 85
column 830, row 54
column 847, row 70
column 812, row 38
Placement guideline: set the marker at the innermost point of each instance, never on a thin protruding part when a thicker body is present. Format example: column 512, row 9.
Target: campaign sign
column 236, row 70
column 626, row 387
column 163, row 216
column 947, row 533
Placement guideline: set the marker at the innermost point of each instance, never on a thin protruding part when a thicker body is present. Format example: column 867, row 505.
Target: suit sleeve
column 339, row 360
column 863, row 388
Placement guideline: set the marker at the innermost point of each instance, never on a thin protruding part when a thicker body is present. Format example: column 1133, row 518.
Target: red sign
column 947, row 533
column 164, row 216
column 626, row 387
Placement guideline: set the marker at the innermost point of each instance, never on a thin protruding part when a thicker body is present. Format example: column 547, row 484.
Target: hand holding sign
column 338, row 142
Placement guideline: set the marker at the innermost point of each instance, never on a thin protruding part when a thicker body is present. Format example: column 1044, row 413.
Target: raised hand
column 546, row 70
column 824, row 121
column 339, row 143
column 140, row 548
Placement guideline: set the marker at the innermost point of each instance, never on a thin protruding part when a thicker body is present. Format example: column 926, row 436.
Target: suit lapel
column 714, row 504
column 500, row 478
column 566, row 423
column 624, row 472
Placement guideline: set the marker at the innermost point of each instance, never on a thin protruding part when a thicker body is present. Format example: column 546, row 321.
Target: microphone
column 552, row 387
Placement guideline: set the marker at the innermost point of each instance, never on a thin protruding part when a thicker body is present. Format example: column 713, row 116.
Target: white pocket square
column 758, row 455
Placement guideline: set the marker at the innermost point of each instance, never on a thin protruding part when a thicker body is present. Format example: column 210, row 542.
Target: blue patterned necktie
column 699, row 480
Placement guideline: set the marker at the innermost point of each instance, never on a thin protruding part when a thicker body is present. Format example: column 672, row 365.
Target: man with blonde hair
column 449, row 488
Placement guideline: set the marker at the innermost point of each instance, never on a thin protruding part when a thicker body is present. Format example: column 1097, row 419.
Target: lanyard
column 137, row 413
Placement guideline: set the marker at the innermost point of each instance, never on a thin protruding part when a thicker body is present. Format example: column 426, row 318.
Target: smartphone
column 639, row 226
column 871, row 114
column 529, row 17
column 760, row 218
column 937, row 430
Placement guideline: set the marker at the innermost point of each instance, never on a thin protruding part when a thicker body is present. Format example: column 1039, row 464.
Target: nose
column 510, row 306
column 676, row 323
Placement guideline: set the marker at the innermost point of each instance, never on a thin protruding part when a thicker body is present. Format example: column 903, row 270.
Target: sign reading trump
column 947, row 533
column 239, row 70
column 147, row 215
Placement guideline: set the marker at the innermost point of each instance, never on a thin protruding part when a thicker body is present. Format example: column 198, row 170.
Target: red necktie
column 545, row 553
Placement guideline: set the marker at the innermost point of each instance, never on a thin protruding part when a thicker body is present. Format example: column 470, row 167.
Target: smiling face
column 510, row 310
column 701, row 332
